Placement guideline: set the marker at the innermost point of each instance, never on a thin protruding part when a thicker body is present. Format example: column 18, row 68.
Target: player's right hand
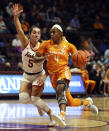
column 16, row 10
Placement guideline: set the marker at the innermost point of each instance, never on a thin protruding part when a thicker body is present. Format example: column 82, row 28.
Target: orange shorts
column 64, row 73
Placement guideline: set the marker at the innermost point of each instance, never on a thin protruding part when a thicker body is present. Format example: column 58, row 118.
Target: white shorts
column 33, row 78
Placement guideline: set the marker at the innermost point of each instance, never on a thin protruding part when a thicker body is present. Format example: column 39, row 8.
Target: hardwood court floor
column 16, row 116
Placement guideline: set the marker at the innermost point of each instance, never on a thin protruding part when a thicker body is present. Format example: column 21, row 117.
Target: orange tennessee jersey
column 57, row 55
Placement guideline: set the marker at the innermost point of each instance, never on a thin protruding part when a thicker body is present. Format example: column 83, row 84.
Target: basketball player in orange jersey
column 31, row 87
column 56, row 51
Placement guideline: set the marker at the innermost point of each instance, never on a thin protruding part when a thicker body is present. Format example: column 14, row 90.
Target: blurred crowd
column 85, row 24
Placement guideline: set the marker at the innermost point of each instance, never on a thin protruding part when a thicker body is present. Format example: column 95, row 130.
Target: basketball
column 79, row 58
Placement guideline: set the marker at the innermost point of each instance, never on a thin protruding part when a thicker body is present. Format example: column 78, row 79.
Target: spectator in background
column 103, row 72
column 69, row 27
column 99, row 27
column 19, row 66
column 95, row 74
column 16, row 43
column 3, row 57
column 85, row 45
column 3, row 28
column 106, row 54
column 8, row 9
column 91, row 46
column 106, row 79
column 25, row 26
column 106, row 83
column 8, row 66
column 75, row 23
column 24, row 22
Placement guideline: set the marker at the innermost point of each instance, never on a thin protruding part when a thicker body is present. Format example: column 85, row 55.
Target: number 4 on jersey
column 56, row 58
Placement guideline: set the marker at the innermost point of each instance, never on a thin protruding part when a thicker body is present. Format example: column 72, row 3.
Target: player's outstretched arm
column 16, row 12
column 39, row 57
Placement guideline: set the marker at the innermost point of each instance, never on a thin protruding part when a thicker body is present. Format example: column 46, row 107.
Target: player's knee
column 62, row 99
column 24, row 98
column 35, row 100
column 61, row 88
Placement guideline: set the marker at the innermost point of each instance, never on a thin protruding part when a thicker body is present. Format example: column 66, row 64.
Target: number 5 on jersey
column 30, row 63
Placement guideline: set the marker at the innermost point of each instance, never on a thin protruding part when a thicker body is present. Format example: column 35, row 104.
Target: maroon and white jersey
column 28, row 60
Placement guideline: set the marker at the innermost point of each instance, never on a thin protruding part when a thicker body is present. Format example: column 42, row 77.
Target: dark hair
column 32, row 27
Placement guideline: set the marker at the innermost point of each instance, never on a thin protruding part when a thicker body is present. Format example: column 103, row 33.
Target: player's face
column 55, row 34
column 35, row 34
